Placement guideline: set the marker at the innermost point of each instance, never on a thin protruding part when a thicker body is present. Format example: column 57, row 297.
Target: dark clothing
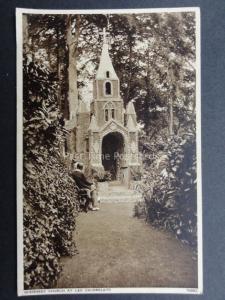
column 82, row 183
column 81, row 180
column 87, row 200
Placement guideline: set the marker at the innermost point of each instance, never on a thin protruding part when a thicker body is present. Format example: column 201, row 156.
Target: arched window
column 65, row 147
column 87, row 144
column 107, row 74
column 109, row 110
column 106, row 114
column 113, row 113
column 108, row 88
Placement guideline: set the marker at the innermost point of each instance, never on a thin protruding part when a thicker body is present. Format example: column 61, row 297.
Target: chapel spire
column 105, row 69
column 130, row 112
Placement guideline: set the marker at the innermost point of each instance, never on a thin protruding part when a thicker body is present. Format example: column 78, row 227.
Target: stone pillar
column 95, row 159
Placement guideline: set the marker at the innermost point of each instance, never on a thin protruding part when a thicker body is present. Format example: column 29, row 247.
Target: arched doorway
column 112, row 150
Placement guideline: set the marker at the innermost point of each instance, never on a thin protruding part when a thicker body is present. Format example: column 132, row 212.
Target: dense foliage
column 50, row 200
column 153, row 55
column 169, row 187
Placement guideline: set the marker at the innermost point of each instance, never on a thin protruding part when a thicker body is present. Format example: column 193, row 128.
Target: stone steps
column 119, row 194
column 115, row 183
column 114, row 199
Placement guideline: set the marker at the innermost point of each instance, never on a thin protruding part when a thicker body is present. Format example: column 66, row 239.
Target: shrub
column 169, row 189
column 49, row 220
column 50, row 199
column 102, row 176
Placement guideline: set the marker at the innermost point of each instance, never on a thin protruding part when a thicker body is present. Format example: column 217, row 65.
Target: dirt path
column 118, row 250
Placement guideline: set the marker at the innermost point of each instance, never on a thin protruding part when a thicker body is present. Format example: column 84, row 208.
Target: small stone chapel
column 106, row 134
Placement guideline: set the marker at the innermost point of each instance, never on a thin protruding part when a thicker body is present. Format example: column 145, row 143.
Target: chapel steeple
column 105, row 69
column 108, row 127
column 106, row 83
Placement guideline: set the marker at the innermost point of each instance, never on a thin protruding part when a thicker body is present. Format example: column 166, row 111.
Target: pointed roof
column 131, row 124
column 93, row 125
column 82, row 108
column 113, row 125
column 105, row 64
column 130, row 110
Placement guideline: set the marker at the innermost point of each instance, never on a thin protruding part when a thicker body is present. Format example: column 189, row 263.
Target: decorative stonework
column 106, row 117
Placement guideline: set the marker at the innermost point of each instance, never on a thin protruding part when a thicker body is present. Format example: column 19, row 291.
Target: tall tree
column 47, row 234
column 72, row 37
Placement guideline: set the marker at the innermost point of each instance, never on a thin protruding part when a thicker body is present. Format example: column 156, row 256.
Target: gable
column 112, row 126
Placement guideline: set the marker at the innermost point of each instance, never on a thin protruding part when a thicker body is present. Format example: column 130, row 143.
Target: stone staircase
column 116, row 192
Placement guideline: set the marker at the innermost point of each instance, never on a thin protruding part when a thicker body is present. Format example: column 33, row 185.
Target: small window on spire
column 107, row 74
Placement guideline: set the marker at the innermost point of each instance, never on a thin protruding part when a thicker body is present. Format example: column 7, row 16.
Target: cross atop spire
column 105, row 64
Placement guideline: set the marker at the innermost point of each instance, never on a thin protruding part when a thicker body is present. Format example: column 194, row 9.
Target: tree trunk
column 25, row 29
column 130, row 74
column 72, row 42
column 27, row 44
column 171, row 116
column 59, row 94
column 173, row 87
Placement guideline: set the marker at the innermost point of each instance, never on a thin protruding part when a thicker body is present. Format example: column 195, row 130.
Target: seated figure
column 84, row 184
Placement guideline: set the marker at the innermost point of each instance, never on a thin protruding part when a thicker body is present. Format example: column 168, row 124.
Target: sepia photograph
column 109, row 151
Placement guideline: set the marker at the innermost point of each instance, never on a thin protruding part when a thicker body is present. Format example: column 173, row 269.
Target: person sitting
column 84, row 184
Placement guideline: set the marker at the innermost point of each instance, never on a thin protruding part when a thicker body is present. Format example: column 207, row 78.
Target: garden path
column 118, row 250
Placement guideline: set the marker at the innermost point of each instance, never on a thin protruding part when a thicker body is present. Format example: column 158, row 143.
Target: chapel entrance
column 112, row 150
